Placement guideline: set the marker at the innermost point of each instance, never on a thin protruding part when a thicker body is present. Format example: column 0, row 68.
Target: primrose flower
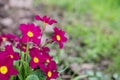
column 45, row 19
column 21, row 46
column 8, row 37
column 59, row 36
column 7, row 69
column 31, row 33
column 36, row 51
column 44, row 50
column 51, row 72
column 36, row 58
column 9, row 52
column 47, row 57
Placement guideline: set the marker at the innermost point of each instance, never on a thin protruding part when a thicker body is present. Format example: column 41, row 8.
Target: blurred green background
column 93, row 28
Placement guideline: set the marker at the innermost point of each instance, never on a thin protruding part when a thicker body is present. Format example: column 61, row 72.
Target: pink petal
column 37, row 17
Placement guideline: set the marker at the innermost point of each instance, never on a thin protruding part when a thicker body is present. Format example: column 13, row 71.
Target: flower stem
column 27, row 53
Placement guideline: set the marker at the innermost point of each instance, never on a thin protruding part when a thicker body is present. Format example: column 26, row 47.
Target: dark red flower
column 44, row 50
column 59, row 36
column 52, row 65
column 9, row 37
column 50, row 71
column 45, row 19
column 7, row 69
column 21, row 46
column 36, row 59
column 9, row 52
column 47, row 57
column 31, row 33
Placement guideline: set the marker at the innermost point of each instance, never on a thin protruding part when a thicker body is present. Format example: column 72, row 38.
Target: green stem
column 27, row 53
column 58, row 55
column 43, row 31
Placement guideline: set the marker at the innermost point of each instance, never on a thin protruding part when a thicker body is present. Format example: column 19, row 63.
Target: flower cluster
column 29, row 49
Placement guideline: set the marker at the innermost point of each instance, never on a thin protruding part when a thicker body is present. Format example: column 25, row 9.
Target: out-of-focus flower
column 31, row 33
column 8, row 37
column 45, row 19
column 21, row 46
column 59, row 36
column 7, row 69
column 47, row 57
column 9, row 52
column 44, row 50
column 50, row 71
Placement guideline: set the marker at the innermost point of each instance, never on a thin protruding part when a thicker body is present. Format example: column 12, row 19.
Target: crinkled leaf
column 32, row 77
column 40, row 74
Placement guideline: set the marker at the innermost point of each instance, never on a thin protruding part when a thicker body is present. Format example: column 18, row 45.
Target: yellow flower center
column 3, row 69
column 24, row 47
column 30, row 34
column 58, row 37
column 36, row 60
column 44, row 23
column 4, row 38
column 47, row 60
column 11, row 56
column 49, row 74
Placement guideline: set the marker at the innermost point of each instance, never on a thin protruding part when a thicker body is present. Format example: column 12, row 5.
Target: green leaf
column 13, row 78
column 24, row 70
column 40, row 74
column 32, row 77
column 27, row 68
column 80, row 77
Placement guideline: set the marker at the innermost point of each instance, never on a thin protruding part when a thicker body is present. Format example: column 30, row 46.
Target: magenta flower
column 47, row 57
column 59, row 36
column 9, row 52
column 50, row 71
column 8, row 37
column 36, row 59
column 45, row 19
column 21, row 46
column 31, row 33
column 36, row 52
column 52, row 65
column 44, row 50
column 7, row 69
